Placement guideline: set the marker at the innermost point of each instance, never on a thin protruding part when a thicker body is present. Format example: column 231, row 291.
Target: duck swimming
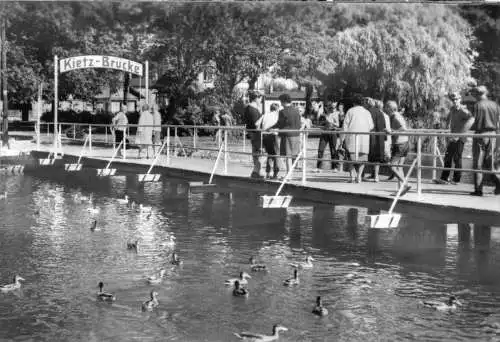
column 104, row 296
column 123, row 200
column 319, row 309
column 94, row 227
column 307, row 264
column 248, row 336
column 14, row 286
column 157, row 278
column 239, row 291
column 294, row 280
column 4, row 195
column 151, row 304
column 176, row 260
column 450, row 304
column 242, row 279
column 257, row 267
column 132, row 245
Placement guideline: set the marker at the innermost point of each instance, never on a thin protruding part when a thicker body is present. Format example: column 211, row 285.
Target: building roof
column 296, row 95
column 118, row 96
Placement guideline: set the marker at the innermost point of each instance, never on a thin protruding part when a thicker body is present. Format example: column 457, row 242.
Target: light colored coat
column 357, row 119
column 145, row 134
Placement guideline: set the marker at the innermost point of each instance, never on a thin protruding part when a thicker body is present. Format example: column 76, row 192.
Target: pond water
column 371, row 281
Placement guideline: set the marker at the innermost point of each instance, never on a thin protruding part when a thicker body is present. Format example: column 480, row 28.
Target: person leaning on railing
column 250, row 118
column 288, row 119
column 329, row 123
column 400, row 143
column 270, row 140
column 486, row 121
column 460, row 120
column 120, row 123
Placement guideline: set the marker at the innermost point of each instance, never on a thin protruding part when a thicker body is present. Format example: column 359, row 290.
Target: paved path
column 450, row 196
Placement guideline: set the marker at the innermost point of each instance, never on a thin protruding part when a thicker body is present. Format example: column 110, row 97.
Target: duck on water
column 248, row 336
column 14, row 286
column 105, row 296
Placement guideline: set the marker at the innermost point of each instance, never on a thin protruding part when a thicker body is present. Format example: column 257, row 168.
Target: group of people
column 484, row 119
column 387, row 142
column 286, row 124
column 148, row 134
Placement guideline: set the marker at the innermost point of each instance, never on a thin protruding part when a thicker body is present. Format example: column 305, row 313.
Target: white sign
column 94, row 61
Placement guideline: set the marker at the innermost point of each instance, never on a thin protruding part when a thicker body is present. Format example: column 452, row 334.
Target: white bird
column 14, row 286
column 157, row 278
column 4, row 196
column 307, row 264
column 123, row 200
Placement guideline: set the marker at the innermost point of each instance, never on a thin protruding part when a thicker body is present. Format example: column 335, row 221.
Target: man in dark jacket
column 250, row 117
column 486, row 121
column 288, row 119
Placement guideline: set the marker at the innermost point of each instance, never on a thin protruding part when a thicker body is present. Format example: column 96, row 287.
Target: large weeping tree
column 415, row 55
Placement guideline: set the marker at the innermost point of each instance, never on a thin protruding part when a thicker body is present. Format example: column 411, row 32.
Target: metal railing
column 185, row 140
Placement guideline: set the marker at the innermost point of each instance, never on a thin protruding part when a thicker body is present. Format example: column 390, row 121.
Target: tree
column 485, row 21
column 416, row 55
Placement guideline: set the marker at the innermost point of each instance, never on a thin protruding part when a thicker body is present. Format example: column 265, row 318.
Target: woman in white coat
column 144, row 135
column 357, row 119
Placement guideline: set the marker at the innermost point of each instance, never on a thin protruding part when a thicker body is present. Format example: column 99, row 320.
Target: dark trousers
column 331, row 140
column 482, row 159
column 270, row 142
column 453, row 155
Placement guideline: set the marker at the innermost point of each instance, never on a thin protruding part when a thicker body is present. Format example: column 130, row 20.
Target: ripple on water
column 370, row 283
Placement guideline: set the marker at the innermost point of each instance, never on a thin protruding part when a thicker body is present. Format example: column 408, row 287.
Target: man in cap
column 486, row 122
column 250, row 117
column 460, row 120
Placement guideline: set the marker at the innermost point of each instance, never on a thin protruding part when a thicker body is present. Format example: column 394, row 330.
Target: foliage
column 485, row 21
column 415, row 56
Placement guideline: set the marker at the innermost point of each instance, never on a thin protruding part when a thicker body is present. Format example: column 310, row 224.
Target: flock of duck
column 240, row 284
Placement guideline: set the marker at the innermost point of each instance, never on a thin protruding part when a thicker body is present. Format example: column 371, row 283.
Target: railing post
column 74, row 132
column 304, row 156
column 168, row 145
column 48, row 130
column 195, row 135
column 356, row 148
column 125, row 135
column 106, row 134
column 419, row 166
column 226, row 154
column 90, row 138
column 492, row 153
column 244, row 140
column 434, row 156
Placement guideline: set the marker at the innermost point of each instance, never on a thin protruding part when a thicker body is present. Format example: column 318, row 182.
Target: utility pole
column 5, row 123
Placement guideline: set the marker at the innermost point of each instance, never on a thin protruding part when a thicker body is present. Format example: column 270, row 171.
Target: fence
column 204, row 142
